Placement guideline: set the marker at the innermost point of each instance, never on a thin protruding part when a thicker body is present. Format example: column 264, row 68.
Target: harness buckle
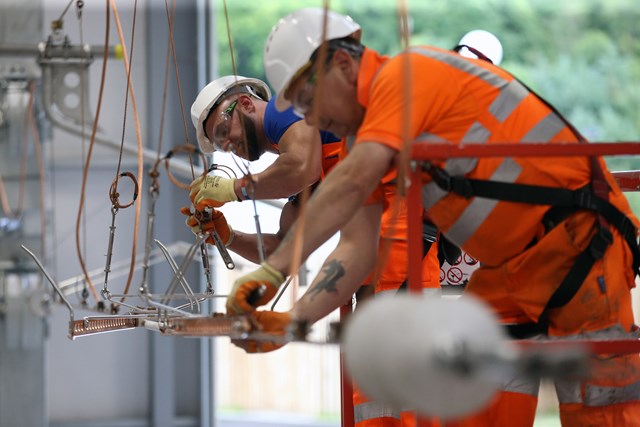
column 583, row 198
column 461, row 185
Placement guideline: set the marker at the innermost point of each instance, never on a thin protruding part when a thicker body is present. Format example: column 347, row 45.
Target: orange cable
column 85, row 172
column 138, row 134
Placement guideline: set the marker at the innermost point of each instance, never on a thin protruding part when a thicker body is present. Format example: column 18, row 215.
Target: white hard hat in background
column 216, row 91
column 484, row 41
column 293, row 40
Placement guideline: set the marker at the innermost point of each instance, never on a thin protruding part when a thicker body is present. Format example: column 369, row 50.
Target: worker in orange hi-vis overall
column 390, row 275
column 555, row 236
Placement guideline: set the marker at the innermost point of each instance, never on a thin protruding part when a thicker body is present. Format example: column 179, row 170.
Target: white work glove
column 254, row 289
column 212, row 190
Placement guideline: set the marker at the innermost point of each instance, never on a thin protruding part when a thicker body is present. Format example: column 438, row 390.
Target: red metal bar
column 621, row 346
column 346, row 389
column 422, row 151
column 414, row 217
column 628, row 180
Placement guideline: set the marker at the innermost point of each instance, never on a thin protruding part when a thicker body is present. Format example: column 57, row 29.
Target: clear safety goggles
column 222, row 128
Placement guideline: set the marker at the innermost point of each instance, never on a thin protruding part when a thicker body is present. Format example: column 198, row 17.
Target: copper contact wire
column 218, row 325
column 101, row 325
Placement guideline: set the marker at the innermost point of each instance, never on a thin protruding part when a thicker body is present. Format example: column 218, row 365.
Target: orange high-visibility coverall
column 444, row 98
column 391, row 271
column 393, row 256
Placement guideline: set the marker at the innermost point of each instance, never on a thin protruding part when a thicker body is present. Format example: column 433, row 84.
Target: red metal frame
column 628, row 180
column 623, row 346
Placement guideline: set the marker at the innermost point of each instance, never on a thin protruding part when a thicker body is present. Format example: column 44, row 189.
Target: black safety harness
column 593, row 197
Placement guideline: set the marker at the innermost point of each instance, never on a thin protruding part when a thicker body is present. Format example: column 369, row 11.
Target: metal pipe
column 178, row 167
column 71, row 50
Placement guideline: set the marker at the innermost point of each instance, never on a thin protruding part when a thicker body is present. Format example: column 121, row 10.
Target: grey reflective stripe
column 431, row 292
column 461, row 165
column 568, row 391
column 508, row 100
column 432, row 194
column 371, row 410
column 594, row 395
column 545, row 129
column 477, row 133
column 479, row 209
column 604, row 396
column 463, row 65
column 522, row 385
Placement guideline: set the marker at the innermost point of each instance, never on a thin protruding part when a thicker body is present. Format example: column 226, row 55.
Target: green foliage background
column 583, row 56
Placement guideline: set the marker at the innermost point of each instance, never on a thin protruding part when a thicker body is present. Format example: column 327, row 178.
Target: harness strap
column 578, row 273
column 582, row 198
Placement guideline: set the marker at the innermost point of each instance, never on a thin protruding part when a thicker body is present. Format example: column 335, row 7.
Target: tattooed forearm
column 333, row 271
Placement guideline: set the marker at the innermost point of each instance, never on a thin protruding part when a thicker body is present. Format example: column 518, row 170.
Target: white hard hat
column 293, row 40
column 216, row 91
column 484, row 41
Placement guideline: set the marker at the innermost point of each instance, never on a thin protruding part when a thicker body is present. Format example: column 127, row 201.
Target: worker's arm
column 332, row 206
column 343, row 272
column 297, row 166
column 339, row 278
column 336, row 200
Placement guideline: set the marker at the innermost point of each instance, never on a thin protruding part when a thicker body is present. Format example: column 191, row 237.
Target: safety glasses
column 222, row 128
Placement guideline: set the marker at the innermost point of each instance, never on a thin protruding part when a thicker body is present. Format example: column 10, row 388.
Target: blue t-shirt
column 277, row 122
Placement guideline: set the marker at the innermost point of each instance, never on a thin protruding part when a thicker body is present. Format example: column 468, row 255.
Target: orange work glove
column 216, row 221
column 212, row 190
column 270, row 322
column 254, row 289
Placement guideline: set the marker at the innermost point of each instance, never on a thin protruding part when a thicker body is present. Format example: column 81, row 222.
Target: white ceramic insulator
column 397, row 350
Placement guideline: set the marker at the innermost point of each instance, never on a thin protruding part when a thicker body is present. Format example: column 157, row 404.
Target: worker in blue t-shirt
column 234, row 114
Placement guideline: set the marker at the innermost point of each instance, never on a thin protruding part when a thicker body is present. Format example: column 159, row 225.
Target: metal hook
column 55, row 287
